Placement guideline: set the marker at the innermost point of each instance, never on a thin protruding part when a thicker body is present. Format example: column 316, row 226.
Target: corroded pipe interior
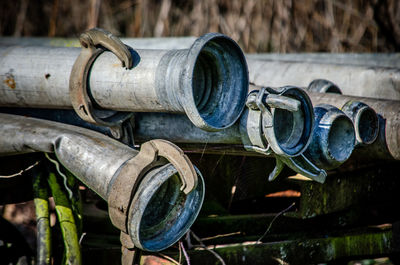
column 160, row 213
column 366, row 125
column 341, row 139
column 219, row 82
column 289, row 127
column 293, row 130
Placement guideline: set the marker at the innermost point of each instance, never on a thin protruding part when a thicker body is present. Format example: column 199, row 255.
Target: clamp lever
column 94, row 42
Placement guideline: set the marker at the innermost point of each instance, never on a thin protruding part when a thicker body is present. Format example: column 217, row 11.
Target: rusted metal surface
column 208, row 82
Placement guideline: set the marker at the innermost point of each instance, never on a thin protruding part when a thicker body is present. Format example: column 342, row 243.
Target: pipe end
column 160, row 213
column 215, row 82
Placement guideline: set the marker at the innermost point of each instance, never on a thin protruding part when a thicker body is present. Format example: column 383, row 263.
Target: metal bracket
column 301, row 165
column 261, row 113
column 94, row 42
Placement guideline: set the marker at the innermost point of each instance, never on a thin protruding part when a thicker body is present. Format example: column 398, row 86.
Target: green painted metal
column 41, row 196
column 67, row 222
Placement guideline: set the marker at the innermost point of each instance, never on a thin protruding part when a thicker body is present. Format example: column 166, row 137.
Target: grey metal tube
column 387, row 144
column 160, row 213
column 365, row 119
column 362, row 59
column 333, row 139
column 208, row 82
column 77, row 149
column 376, row 82
column 179, row 129
column 166, row 43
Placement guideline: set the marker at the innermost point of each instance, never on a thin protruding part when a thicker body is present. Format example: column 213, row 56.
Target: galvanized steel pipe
column 292, row 130
column 363, row 81
column 365, row 119
column 333, row 138
column 160, row 212
column 208, row 82
column 387, row 144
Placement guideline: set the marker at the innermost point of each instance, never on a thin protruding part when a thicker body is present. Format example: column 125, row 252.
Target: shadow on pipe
column 153, row 195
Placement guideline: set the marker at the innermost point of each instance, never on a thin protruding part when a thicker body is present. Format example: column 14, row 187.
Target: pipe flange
column 94, row 42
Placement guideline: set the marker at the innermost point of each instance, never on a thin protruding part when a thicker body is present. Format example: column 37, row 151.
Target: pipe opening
column 219, row 82
column 288, row 127
column 160, row 213
column 341, row 139
column 366, row 124
column 293, row 130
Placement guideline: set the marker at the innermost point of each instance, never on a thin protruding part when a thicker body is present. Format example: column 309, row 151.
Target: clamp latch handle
column 94, row 42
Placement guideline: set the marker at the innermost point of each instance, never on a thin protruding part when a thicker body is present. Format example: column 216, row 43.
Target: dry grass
column 259, row 26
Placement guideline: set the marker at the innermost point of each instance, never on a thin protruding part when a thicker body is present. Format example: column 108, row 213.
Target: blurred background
column 258, row 26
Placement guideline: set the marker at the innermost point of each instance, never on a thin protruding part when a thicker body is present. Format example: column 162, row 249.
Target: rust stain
column 10, row 82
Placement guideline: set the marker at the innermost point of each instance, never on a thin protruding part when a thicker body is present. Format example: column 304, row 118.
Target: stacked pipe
column 154, row 194
column 198, row 97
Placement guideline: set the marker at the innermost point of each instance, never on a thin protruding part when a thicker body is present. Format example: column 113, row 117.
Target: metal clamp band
column 125, row 183
column 94, row 42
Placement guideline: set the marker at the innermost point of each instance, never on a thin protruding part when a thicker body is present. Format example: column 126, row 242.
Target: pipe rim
column 361, row 136
column 365, row 121
column 294, row 144
column 231, row 81
column 185, row 213
column 334, row 136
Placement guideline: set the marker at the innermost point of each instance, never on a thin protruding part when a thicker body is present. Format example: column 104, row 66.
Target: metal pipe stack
column 198, row 97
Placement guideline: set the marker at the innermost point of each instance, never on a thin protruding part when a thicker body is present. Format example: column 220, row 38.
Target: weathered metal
column 288, row 136
column 365, row 119
column 332, row 143
column 208, row 82
column 286, row 127
column 355, row 80
column 43, row 242
column 94, row 42
column 362, row 59
column 387, row 144
column 174, row 192
column 391, row 60
column 333, row 139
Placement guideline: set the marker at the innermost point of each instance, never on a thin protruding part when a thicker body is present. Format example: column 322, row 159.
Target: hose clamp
column 94, row 42
column 125, row 184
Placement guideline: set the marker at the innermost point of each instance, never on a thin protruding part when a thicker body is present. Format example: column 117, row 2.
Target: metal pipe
column 333, row 139
column 161, row 212
column 208, row 82
column 391, row 60
column 290, row 135
column 387, row 144
column 376, row 82
column 166, row 43
column 365, row 119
